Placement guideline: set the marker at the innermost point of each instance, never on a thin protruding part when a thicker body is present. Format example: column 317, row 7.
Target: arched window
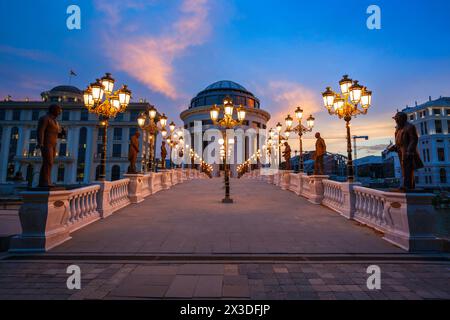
column 443, row 175
column 61, row 173
column 115, row 173
column 12, row 151
column 81, row 161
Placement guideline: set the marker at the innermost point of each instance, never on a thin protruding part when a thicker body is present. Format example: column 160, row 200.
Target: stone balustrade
column 295, row 183
column 48, row 218
column 407, row 220
column 82, row 207
column 333, row 195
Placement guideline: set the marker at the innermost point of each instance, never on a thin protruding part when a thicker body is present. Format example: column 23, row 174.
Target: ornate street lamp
column 300, row 129
column 227, row 122
column 101, row 99
column 353, row 100
column 174, row 140
column 147, row 121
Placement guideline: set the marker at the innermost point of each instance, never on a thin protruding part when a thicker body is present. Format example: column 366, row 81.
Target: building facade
column 432, row 120
column 199, row 112
column 78, row 156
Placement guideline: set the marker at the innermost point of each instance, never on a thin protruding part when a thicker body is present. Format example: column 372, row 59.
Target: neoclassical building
column 199, row 111
column 78, row 156
column 432, row 120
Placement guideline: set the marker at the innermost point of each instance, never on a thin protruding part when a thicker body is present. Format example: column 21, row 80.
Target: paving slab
column 190, row 219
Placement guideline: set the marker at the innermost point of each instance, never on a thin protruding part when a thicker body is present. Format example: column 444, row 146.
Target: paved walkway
column 190, row 219
column 184, row 243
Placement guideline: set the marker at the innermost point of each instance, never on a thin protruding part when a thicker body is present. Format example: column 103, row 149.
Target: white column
column 89, row 155
column 74, row 136
column 4, row 153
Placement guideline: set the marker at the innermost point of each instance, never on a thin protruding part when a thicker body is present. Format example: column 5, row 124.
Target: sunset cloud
column 283, row 97
column 150, row 59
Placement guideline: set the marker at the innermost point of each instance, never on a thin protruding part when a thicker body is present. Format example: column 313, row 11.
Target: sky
column 284, row 51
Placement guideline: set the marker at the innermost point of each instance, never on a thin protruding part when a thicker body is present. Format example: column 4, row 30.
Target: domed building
column 214, row 94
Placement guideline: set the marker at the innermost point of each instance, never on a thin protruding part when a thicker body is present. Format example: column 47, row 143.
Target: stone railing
column 407, row 220
column 82, row 207
column 118, row 195
column 157, row 182
column 48, row 217
column 295, row 183
column 333, row 195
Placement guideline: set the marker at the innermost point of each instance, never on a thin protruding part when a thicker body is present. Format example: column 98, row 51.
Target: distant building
column 335, row 165
column 432, row 120
column 391, row 162
column 78, row 156
column 199, row 110
column 369, row 167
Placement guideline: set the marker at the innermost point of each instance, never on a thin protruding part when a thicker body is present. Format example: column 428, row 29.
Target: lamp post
column 279, row 127
column 300, row 129
column 147, row 121
column 345, row 106
column 227, row 122
column 101, row 99
column 174, row 140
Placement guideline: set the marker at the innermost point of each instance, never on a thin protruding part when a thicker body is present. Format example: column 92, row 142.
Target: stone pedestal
column 348, row 207
column 156, row 182
column 316, row 189
column 296, row 183
column 285, row 179
column 103, row 200
column 135, row 188
column 43, row 217
column 166, row 179
column 413, row 222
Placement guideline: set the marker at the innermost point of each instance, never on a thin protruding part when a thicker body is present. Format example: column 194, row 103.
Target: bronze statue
column 406, row 140
column 287, row 155
column 48, row 132
column 133, row 152
column 321, row 149
column 163, row 154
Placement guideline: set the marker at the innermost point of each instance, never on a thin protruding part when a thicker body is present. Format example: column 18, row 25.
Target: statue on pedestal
column 321, row 149
column 287, row 155
column 133, row 152
column 406, row 140
column 163, row 154
column 48, row 132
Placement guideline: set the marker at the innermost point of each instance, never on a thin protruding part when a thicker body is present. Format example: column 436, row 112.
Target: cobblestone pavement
column 228, row 280
column 184, row 243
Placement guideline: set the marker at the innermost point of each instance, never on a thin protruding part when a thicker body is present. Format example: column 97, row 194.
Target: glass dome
column 216, row 92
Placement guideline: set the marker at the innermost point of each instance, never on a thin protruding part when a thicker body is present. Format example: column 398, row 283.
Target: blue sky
column 286, row 52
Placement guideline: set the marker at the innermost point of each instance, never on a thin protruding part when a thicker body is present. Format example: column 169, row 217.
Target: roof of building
column 66, row 89
column 441, row 102
column 216, row 92
column 225, row 84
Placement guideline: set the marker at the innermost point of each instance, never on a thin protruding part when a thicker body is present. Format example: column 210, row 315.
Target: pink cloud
column 283, row 97
column 150, row 59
